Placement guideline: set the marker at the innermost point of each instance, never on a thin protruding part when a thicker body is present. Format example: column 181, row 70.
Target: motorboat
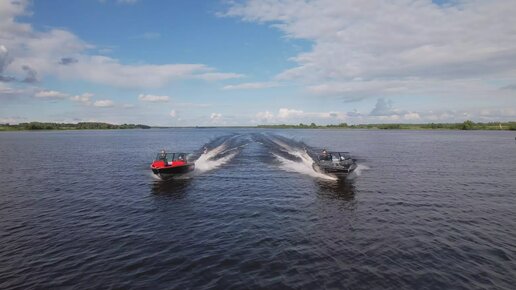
column 338, row 163
column 168, row 165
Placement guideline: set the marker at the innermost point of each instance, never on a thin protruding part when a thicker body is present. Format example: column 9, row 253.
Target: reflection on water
column 174, row 188
column 341, row 189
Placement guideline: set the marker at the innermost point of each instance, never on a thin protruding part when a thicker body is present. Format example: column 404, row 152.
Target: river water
column 424, row 210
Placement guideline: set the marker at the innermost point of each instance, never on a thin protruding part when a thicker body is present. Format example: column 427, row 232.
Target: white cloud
column 265, row 116
column 363, row 48
column 173, row 114
column 293, row 116
column 354, row 113
column 8, row 92
column 216, row 116
column 411, row 116
column 105, row 70
column 153, row 98
column 49, row 94
column 103, row 103
column 505, row 112
column 384, row 110
column 12, row 120
column 285, row 113
column 4, row 58
column 251, row 86
column 44, row 51
column 84, row 98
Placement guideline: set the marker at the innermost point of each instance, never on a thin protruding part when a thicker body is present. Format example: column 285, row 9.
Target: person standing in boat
column 325, row 155
column 163, row 156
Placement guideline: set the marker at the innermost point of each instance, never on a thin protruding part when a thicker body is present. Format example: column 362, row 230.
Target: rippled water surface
column 425, row 210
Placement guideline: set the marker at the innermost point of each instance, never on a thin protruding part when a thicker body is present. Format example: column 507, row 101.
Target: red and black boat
column 169, row 165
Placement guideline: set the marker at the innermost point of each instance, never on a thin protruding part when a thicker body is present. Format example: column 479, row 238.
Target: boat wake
column 293, row 156
column 219, row 152
column 358, row 171
column 303, row 167
column 287, row 154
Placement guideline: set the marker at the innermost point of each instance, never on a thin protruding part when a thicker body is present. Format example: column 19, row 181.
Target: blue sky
column 187, row 63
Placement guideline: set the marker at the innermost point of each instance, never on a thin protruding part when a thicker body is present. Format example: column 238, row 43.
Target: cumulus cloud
column 354, row 113
column 8, row 92
column 411, row 116
column 362, row 48
column 32, row 75
column 6, row 79
column 216, row 116
column 103, row 103
column 84, row 98
column 286, row 115
column 12, row 120
column 43, row 51
column 383, row 108
column 173, row 113
column 5, row 60
column 493, row 113
column 153, row 98
column 105, row 70
column 67, row 60
column 386, row 111
column 251, row 86
column 50, row 95
column 265, row 116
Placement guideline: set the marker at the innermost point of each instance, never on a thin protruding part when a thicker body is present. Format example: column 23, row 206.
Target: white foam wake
column 358, row 171
column 209, row 161
column 304, row 166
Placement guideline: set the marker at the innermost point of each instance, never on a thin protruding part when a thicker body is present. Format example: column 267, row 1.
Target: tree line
column 466, row 125
column 69, row 126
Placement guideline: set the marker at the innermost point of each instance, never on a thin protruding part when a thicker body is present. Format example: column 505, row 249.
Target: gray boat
column 334, row 162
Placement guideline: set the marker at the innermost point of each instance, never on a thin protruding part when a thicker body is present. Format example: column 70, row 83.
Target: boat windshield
column 171, row 156
column 340, row 155
column 334, row 156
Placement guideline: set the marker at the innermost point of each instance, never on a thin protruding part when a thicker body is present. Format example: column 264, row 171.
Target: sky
column 250, row 62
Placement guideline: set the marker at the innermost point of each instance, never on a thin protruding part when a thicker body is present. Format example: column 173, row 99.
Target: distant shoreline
column 44, row 126
column 467, row 125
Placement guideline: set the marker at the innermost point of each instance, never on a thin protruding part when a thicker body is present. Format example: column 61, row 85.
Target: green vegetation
column 68, row 126
column 466, row 125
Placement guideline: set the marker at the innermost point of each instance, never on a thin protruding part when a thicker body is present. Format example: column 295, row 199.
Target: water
column 425, row 210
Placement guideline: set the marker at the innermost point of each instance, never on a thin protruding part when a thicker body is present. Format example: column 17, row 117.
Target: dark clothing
column 163, row 157
column 325, row 157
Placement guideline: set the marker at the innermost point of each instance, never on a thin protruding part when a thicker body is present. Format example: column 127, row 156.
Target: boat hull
column 336, row 170
column 170, row 172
